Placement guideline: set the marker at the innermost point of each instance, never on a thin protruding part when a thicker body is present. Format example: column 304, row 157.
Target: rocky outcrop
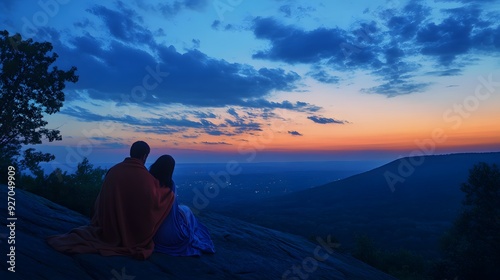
column 244, row 251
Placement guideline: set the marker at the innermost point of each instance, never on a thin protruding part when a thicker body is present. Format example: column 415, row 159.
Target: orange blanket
column 128, row 211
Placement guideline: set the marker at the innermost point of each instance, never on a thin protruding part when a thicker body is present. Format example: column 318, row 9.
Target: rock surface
column 244, row 251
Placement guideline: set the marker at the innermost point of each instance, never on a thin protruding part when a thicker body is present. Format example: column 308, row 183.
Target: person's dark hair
column 139, row 149
column 162, row 169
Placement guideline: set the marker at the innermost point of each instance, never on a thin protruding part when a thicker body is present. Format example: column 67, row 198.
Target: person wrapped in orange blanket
column 127, row 213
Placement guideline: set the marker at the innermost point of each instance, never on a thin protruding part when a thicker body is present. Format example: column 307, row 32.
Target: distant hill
column 244, row 251
column 412, row 213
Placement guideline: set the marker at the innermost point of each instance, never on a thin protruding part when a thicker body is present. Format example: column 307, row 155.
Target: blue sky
column 288, row 79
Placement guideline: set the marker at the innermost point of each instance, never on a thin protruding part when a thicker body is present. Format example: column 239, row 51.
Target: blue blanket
column 181, row 234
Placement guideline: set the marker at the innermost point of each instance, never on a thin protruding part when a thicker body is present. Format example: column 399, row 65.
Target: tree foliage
column 402, row 264
column 472, row 246
column 77, row 191
column 29, row 89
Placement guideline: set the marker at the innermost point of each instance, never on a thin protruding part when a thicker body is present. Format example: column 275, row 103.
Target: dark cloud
column 243, row 122
column 85, row 23
column 393, row 55
column 85, row 115
column 324, row 77
column 286, row 10
column 297, row 12
column 487, row 40
column 103, row 70
column 196, row 79
column 460, row 31
column 190, row 78
column 337, row 48
column 388, row 45
column 218, row 132
column 204, row 115
column 305, row 10
column 294, row 45
column 122, row 71
column 469, row 1
column 215, row 24
column 294, row 133
column 323, row 120
column 158, row 130
column 444, row 73
column 397, row 79
column 123, row 23
column 164, row 125
column 445, row 40
column 240, row 126
column 196, row 43
column 160, row 32
column 196, row 5
column 172, row 8
column 405, row 24
column 88, row 45
column 233, row 112
column 215, row 143
column 297, row 106
column 395, row 88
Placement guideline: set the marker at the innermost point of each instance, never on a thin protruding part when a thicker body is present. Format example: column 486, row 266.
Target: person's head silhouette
column 140, row 150
column 162, row 169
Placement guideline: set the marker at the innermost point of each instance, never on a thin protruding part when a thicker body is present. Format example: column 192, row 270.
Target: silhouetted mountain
column 412, row 213
column 244, row 251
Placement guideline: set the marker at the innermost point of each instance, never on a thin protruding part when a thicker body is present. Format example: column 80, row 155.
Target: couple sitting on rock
column 137, row 213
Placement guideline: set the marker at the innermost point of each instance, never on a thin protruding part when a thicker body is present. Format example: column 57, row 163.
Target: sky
column 274, row 80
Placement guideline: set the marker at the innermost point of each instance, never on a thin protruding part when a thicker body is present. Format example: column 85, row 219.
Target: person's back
column 127, row 213
column 124, row 204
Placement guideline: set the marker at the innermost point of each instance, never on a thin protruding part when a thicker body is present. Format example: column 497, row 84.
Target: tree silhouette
column 472, row 247
column 28, row 91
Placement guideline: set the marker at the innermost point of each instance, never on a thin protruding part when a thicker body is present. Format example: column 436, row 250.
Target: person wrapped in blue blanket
column 180, row 234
